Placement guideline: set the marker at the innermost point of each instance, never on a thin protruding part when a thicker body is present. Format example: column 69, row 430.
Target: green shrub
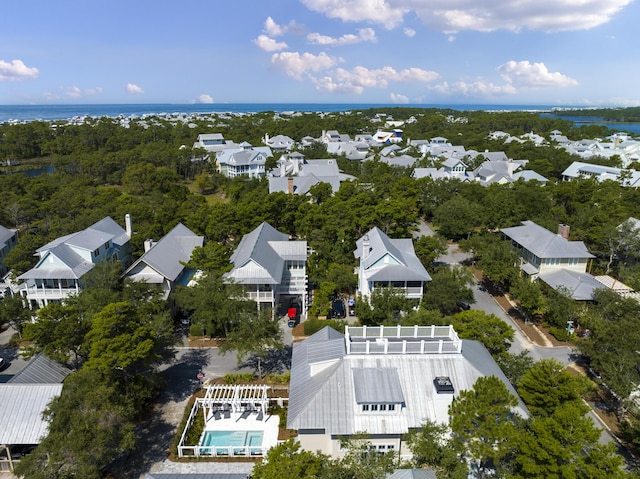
column 560, row 334
column 283, row 378
column 237, row 378
column 196, row 330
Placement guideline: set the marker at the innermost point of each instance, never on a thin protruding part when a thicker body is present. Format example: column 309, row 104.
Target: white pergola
column 234, row 399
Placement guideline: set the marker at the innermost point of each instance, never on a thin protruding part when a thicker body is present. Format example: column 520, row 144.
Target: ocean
column 18, row 113
column 25, row 113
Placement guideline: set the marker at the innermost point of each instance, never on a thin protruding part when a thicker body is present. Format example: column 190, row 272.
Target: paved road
column 485, row 302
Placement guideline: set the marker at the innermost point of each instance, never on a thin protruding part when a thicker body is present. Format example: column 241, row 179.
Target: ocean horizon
column 49, row 112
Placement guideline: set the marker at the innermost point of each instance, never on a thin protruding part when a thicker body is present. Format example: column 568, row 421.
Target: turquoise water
column 61, row 112
column 232, row 438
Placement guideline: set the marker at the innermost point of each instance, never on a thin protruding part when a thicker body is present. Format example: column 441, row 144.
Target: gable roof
column 92, row 237
column 167, row 256
column 260, row 257
column 375, row 245
column 5, row 235
column 545, row 244
column 41, row 370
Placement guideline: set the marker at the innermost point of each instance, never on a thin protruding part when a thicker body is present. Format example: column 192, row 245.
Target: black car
column 337, row 309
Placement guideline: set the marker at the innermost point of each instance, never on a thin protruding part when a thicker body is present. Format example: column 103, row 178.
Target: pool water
column 232, row 438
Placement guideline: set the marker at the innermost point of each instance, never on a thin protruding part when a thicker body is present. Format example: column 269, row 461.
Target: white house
column 63, row 262
column 383, row 381
column 163, row 262
column 385, row 262
column 245, row 160
column 271, row 268
column 279, row 143
column 553, row 258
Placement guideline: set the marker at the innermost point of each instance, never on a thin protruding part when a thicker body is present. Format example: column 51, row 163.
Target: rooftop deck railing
column 402, row 340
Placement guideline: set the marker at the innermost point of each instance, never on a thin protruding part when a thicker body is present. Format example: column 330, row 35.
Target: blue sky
column 552, row 52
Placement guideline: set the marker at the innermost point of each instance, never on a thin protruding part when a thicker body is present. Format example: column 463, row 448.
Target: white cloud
column 295, row 65
column 518, row 76
column 384, row 12
column 410, row 32
column 533, row 75
column 269, row 44
column 204, row 98
column 76, row 92
column 134, row 89
column 359, row 78
column 397, row 98
column 364, row 35
column 452, row 16
column 272, row 29
column 475, row 88
column 16, row 70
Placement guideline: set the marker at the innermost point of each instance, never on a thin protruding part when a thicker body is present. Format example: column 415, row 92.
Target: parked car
column 293, row 314
column 464, row 305
column 337, row 309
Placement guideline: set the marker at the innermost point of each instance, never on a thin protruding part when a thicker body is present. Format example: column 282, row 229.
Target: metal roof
column 545, row 244
column 5, row 235
column 377, row 385
column 261, row 254
column 323, row 395
column 412, row 474
column 21, row 407
column 406, row 266
column 168, row 255
column 41, row 370
column 582, row 286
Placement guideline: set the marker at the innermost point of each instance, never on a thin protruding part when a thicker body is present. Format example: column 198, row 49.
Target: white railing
column 402, row 340
column 259, row 295
column 222, row 451
column 41, row 292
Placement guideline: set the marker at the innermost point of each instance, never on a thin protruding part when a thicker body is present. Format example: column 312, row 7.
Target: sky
column 511, row 52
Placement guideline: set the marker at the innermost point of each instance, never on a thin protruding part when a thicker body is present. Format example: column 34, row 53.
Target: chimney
column 290, row 185
column 148, row 244
column 563, row 230
column 366, row 247
column 128, row 225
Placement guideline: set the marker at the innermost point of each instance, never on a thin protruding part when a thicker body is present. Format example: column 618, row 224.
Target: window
column 392, row 407
column 383, row 407
column 374, row 407
column 96, row 253
column 365, row 407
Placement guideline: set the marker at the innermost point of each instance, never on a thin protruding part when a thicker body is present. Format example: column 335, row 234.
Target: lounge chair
column 259, row 416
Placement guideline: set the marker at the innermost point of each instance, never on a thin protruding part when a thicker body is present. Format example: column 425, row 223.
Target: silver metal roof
column 407, row 266
column 377, row 385
column 412, row 474
column 168, row 255
column 41, row 370
column 5, row 235
column 21, row 407
column 260, row 257
column 323, row 389
column 545, row 244
column 582, row 286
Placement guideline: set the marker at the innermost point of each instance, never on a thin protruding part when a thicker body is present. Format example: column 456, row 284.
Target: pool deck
column 239, row 422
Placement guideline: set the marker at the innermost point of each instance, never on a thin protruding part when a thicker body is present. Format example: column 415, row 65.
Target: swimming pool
column 232, row 438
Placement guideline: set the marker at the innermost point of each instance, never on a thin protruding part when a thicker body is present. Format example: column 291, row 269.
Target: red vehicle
column 293, row 315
